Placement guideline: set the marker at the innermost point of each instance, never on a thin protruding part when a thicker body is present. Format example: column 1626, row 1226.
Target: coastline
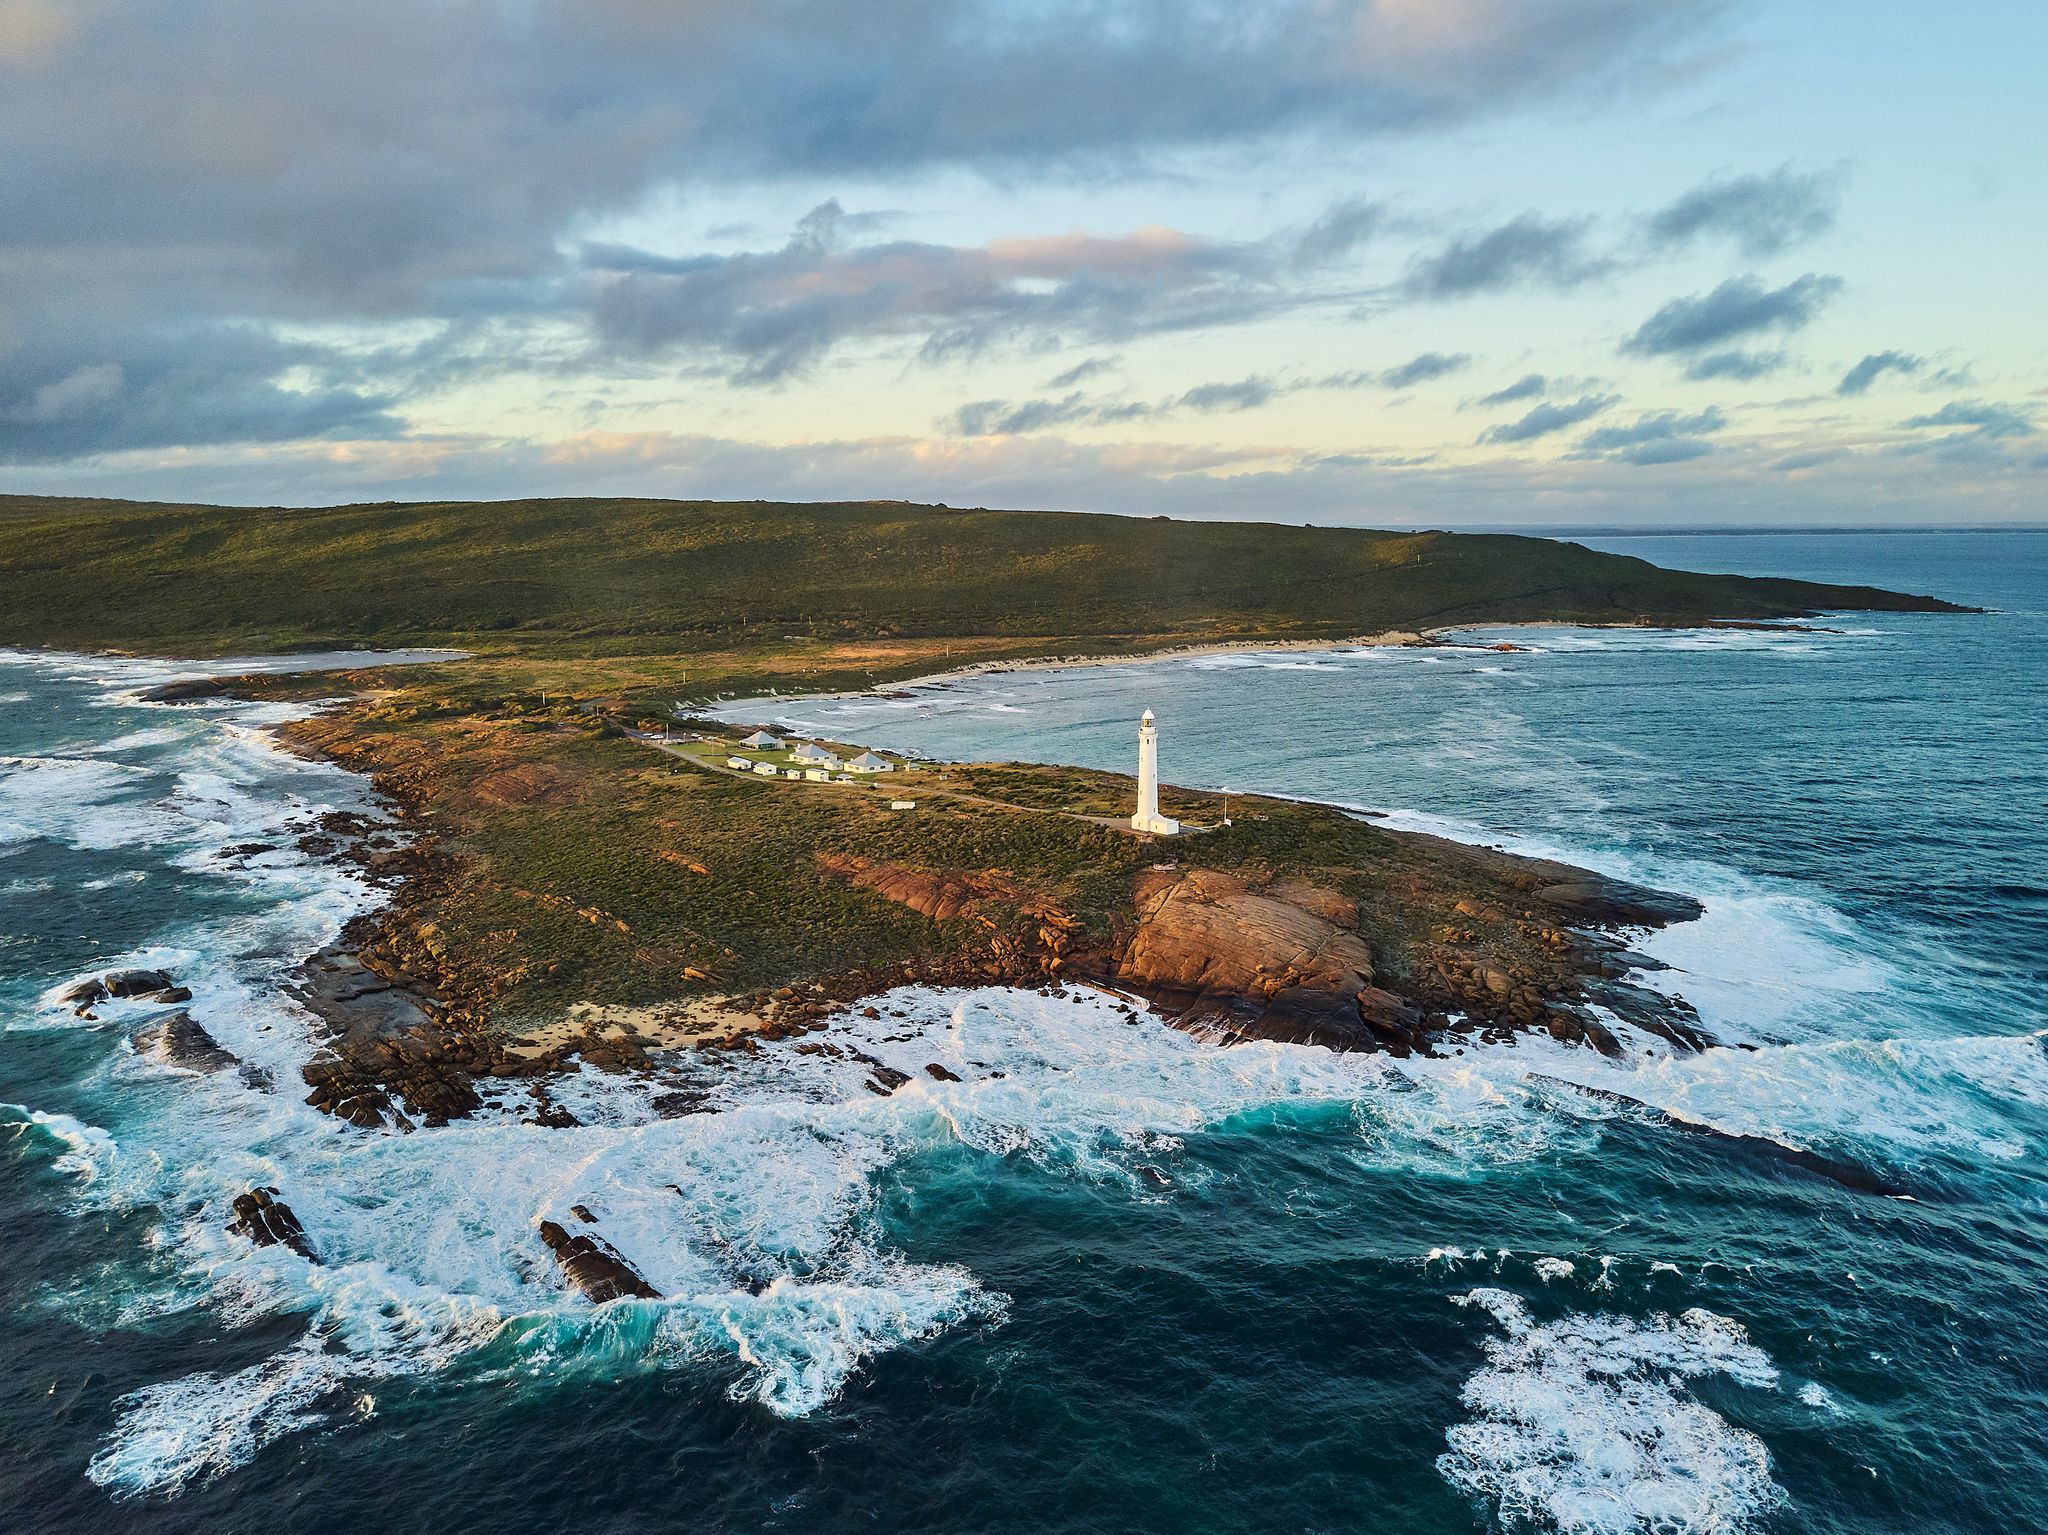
column 412, row 1025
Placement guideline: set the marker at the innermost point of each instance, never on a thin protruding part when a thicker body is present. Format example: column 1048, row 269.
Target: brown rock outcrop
column 1282, row 962
column 938, row 896
column 1204, row 930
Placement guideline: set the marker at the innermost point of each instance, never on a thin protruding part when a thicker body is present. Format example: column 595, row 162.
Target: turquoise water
column 1133, row 1283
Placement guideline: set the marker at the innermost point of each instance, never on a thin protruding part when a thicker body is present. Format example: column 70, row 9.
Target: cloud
column 1424, row 368
column 1527, row 387
column 1656, row 437
column 981, row 418
column 1546, row 419
column 1811, row 458
column 1739, row 365
column 1741, row 306
column 225, row 385
column 1342, row 229
column 1082, row 371
column 1859, row 378
column 1763, row 215
column 1527, row 250
column 1989, row 421
column 1244, row 394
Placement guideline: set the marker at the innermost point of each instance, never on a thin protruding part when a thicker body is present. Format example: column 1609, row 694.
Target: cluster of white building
column 809, row 761
column 819, row 764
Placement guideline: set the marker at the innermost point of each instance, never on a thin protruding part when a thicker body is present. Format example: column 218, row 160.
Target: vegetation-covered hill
column 640, row 577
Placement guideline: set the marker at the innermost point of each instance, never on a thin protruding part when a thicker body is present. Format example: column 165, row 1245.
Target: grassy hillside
column 626, row 577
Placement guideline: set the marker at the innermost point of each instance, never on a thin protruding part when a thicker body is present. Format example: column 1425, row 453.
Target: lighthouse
column 1148, row 817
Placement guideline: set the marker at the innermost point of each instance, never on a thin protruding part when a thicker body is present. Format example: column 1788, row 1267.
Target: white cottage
column 868, row 762
column 811, row 754
column 762, row 741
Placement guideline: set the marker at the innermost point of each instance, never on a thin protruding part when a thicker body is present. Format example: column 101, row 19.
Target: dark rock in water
column 592, row 1268
column 1616, row 903
column 886, row 1080
column 178, row 1039
column 686, row 1101
column 83, row 993
column 1850, row 1175
column 137, row 983
column 1672, row 1018
column 1154, row 1176
column 268, row 1221
column 940, row 1073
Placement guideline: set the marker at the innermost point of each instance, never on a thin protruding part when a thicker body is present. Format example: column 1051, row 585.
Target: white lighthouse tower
column 1148, row 817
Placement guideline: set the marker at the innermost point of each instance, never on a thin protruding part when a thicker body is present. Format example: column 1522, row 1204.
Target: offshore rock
column 125, row 985
column 178, row 1039
column 268, row 1221
column 137, row 983
column 592, row 1268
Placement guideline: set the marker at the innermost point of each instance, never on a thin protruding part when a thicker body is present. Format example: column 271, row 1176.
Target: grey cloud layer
column 997, row 418
column 176, row 171
column 777, row 312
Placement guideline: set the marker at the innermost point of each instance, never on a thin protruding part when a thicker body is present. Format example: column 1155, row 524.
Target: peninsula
column 566, row 888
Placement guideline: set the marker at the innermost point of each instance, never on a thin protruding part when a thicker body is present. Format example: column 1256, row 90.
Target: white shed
column 767, row 769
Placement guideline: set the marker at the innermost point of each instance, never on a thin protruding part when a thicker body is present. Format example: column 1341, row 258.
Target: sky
column 1444, row 263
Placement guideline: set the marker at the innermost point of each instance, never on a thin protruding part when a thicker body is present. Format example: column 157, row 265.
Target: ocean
column 1136, row 1283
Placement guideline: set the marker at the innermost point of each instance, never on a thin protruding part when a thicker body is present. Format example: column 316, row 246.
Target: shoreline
column 1429, row 638
column 407, row 1029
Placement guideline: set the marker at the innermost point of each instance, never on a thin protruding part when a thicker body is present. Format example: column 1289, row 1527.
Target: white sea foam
column 1818, row 1397
column 1585, row 1424
column 182, row 1432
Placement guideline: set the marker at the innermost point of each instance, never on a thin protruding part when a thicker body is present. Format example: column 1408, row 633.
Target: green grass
column 596, row 578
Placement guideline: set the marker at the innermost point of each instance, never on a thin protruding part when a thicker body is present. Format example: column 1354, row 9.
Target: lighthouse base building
column 1148, row 818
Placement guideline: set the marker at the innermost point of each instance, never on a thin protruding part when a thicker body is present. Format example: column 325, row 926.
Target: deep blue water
column 1136, row 1283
